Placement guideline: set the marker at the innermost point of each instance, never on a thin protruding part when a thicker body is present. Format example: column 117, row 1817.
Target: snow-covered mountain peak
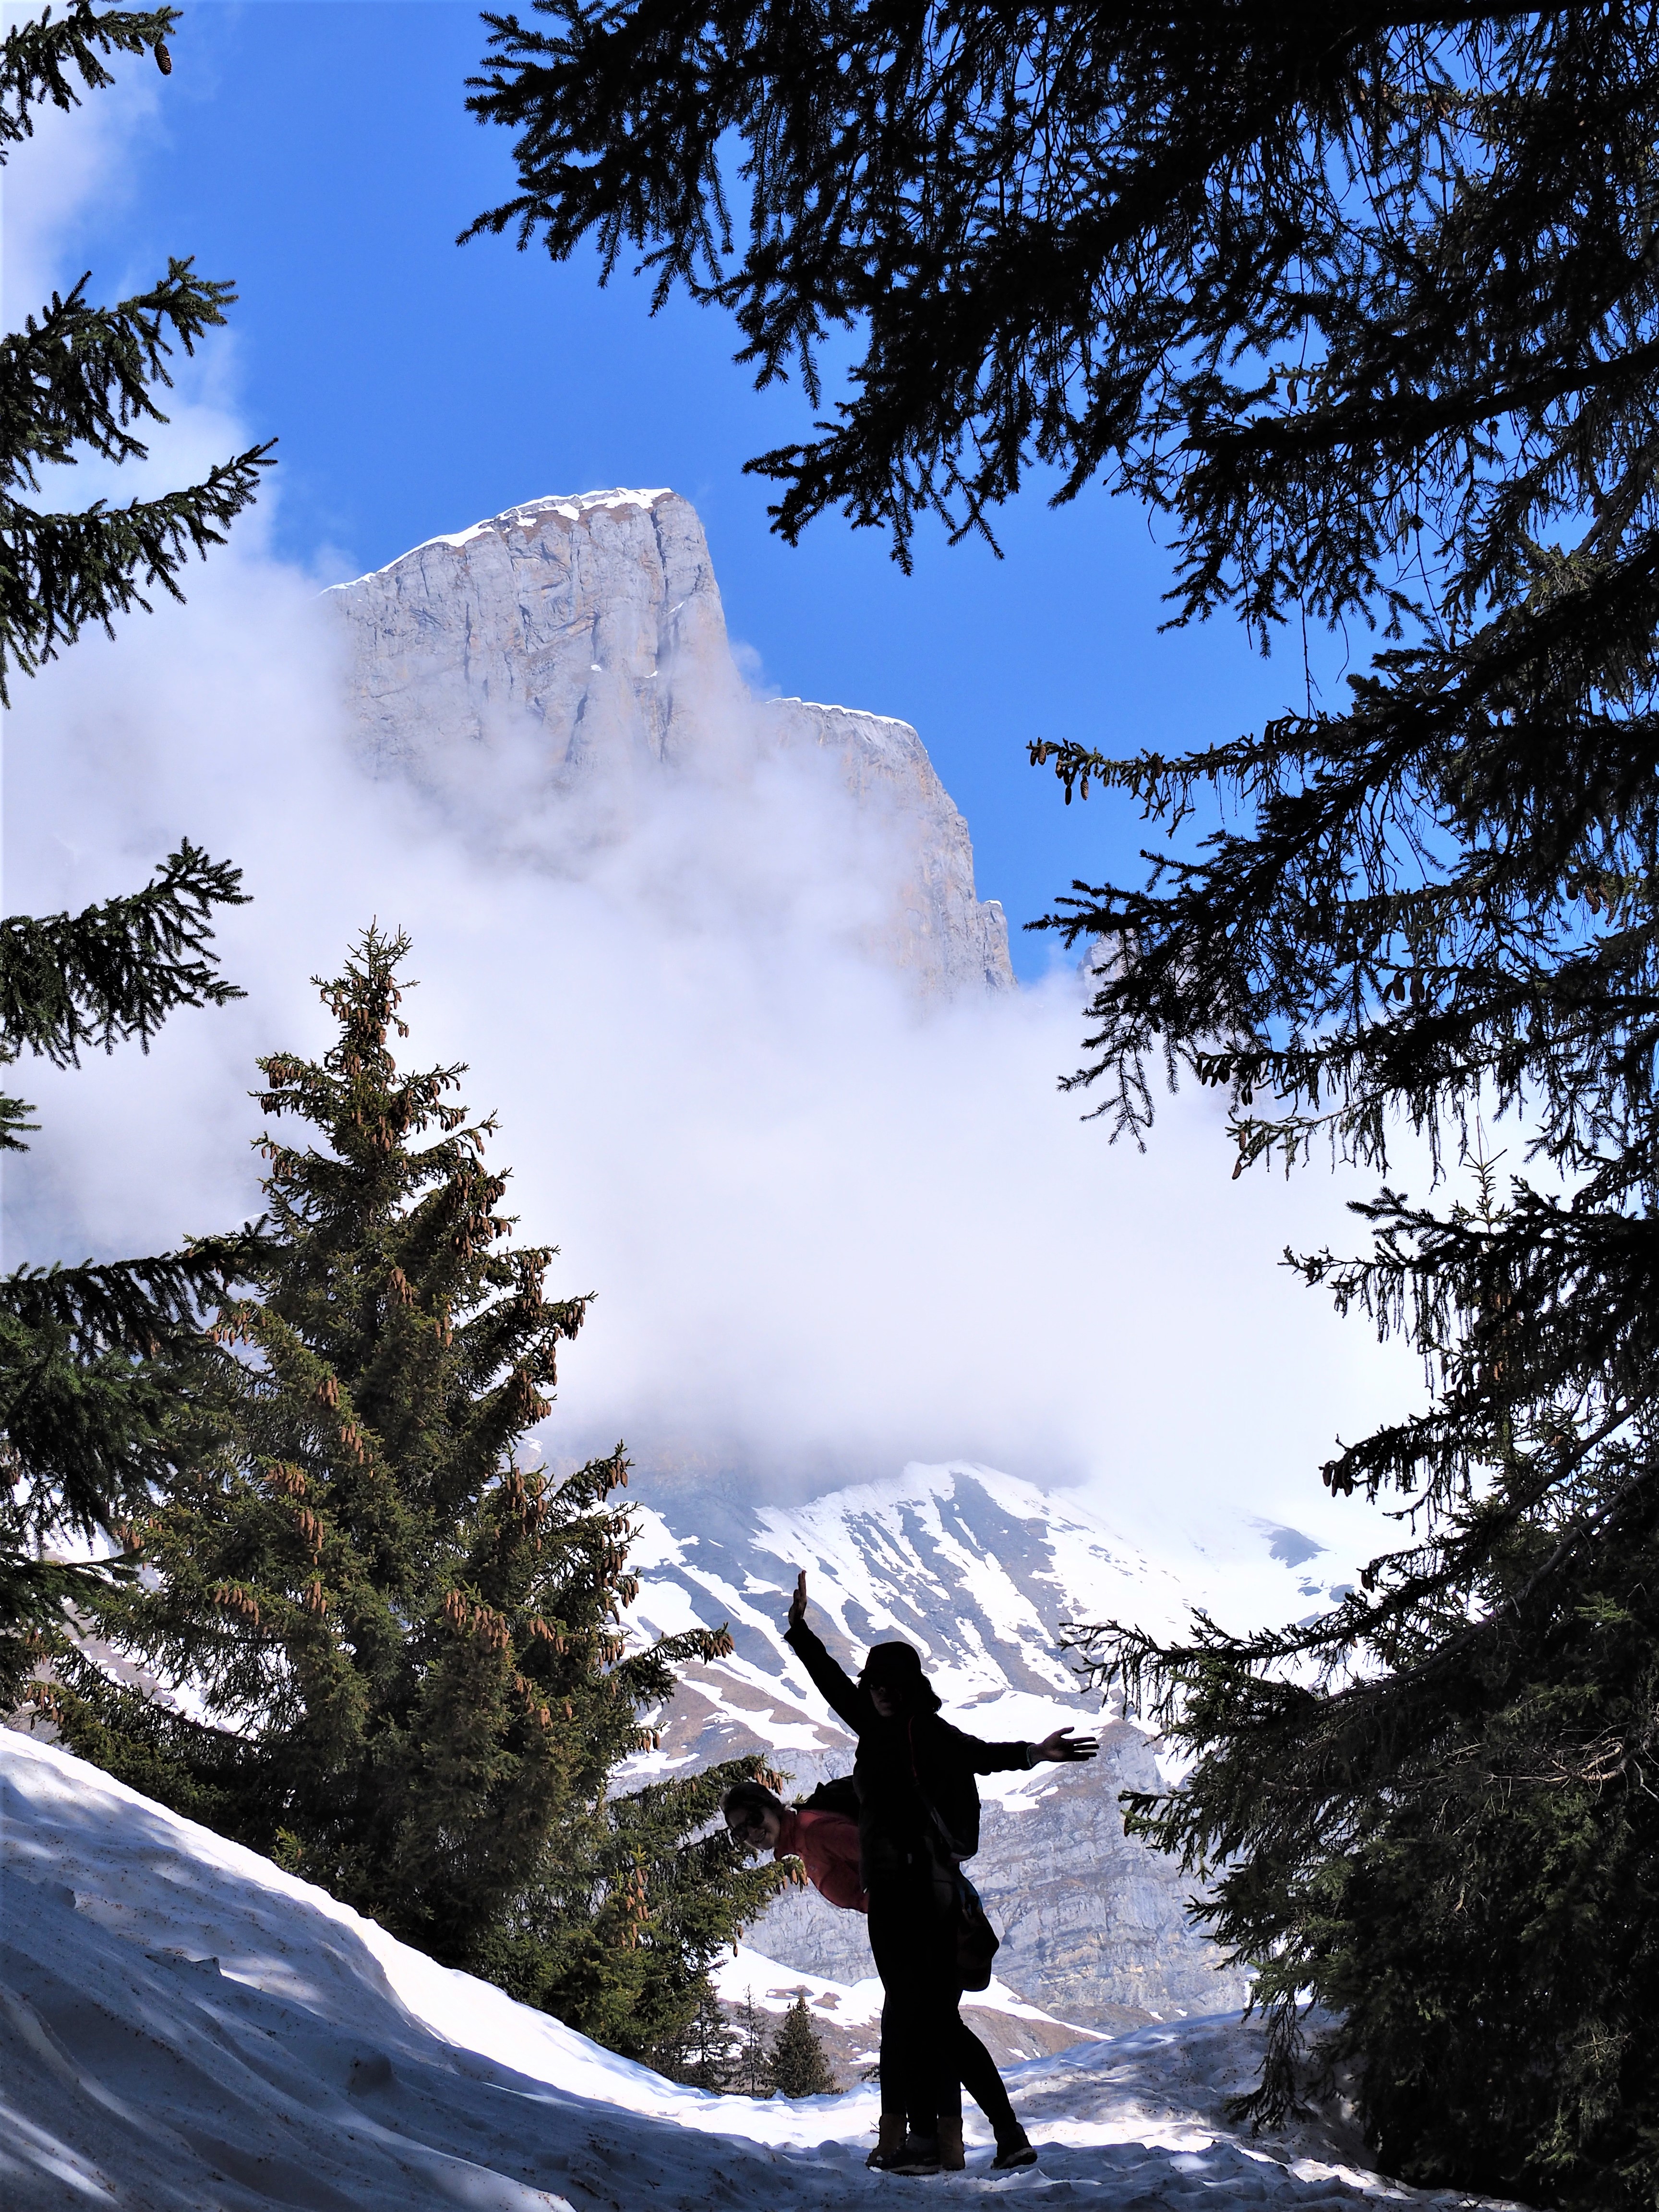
column 570, row 506
column 980, row 1571
column 983, row 1571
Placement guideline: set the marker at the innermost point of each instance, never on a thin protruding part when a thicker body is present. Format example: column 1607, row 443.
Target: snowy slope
column 849, row 2015
column 185, row 2028
column 980, row 1570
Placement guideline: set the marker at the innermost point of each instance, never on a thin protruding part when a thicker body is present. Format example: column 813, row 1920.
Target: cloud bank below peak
column 832, row 1227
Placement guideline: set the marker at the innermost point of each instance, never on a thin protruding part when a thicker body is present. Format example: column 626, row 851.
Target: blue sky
column 318, row 152
column 826, row 1236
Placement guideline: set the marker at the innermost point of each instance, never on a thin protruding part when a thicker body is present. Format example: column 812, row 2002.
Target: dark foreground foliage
column 1362, row 303
column 410, row 1638
column 78, row 377
column 94, row 1359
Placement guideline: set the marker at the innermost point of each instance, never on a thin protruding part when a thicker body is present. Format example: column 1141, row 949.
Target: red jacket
column 827, row 1843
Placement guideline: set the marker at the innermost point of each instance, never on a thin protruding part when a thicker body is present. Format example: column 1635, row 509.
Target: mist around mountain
column 835, row 1218
column 836, row 1214
column 555, row 678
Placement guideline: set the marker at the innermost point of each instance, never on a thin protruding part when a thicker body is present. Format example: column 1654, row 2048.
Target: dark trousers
column 977, row 2072
column 913, row 1937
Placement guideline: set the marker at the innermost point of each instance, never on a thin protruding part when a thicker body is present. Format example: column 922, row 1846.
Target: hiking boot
column 919, row 2155
column 951, row 2156
column 890, row 2142
column 1016, row 2150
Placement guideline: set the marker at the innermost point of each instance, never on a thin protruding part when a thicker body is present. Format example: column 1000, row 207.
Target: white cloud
column 829, row 1233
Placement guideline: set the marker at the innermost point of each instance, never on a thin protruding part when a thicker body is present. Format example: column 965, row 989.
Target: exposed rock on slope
column 592, row 625
column 979, row 1571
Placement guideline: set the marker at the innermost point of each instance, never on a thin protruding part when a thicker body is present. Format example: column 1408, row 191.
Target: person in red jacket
column 827, row 1845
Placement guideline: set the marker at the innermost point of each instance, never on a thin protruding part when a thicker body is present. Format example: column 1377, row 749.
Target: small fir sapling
column 704, row 2054
column 797, row 2065
column 753, row 2075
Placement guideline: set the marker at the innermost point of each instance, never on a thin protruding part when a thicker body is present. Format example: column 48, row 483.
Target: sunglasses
column 752, row 1823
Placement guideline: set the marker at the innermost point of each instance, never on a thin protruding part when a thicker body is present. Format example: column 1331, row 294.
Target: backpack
column 838, row 1795
column 977, row 1942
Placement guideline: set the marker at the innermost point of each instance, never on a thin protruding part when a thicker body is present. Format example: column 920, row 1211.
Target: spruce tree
column 752, row 2072
column 411, row 1644
column 704, row 2053
column 796, row 2066
column 93, row 1358
column 1362, row 304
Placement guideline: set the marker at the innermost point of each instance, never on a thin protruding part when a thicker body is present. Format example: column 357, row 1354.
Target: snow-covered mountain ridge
column 980, row 1570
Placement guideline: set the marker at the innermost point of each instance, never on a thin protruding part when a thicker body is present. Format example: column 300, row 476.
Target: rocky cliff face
column 1093, row 1924
column 592, row 625
column 979, row 1571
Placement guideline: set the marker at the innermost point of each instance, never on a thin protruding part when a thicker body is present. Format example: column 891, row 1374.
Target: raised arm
column 834, row 1683
column 1062, row 1748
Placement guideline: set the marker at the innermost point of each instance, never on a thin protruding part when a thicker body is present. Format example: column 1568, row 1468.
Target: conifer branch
column 81, row 375
column 117, row 970
column 37, row 56
column 104, row 1374
column 60, row 572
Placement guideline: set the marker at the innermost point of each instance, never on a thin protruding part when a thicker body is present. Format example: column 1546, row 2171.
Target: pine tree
column 93, row 1358
column 411, row 1644
column 796, row 2065
column 1362, row 304
column 752, row 2072
column 704, row 2054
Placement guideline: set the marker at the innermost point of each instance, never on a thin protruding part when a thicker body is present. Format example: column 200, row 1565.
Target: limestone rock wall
column 1092, row 1919
column 938, row 924
column 1093, row 1925
column 591, row 624
column 596, row 619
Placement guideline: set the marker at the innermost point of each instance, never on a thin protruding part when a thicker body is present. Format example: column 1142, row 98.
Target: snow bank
column 185, row 2028
column 774, row 1986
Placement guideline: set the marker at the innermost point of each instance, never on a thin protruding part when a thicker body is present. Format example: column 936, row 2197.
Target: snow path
column 185, row 2028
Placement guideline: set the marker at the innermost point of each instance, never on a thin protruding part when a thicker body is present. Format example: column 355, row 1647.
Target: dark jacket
column 906, row 1766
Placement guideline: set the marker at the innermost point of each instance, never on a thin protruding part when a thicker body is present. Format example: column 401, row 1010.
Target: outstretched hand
column 1060, row 1747
column 798, row 1602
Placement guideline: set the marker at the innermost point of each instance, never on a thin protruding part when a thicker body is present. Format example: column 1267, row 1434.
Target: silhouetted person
column 918, row 1819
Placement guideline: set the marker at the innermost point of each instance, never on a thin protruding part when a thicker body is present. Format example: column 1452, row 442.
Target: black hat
column 898, row 1667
